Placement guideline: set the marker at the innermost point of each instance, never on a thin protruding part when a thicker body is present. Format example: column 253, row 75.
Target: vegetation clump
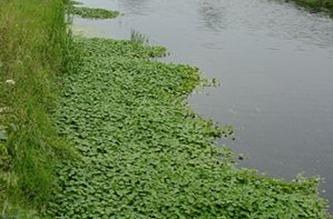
column 97, row 13
column 145, row 154
column 317, row 5
column 72, row 2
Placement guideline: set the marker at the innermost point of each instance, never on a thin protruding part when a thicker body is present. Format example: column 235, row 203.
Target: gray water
column 275, row 62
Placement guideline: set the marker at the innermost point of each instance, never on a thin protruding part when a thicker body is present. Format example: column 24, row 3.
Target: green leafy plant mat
column 317, row 5
column 97, row 13
column 145, row 154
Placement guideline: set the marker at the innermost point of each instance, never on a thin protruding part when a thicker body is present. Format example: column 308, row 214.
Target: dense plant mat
column 145, row 154
column 33, row 42
column 317, row 5
column 72, row 3
column 97, row 13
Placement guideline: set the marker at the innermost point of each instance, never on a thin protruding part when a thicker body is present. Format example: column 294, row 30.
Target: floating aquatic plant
column 97, row 13
column 74, row 3
column 317, row 5
column 145, row 154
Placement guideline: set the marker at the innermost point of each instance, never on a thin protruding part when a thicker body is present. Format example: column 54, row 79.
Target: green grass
column 96, row 13
column 33, row 53
column 145, row 154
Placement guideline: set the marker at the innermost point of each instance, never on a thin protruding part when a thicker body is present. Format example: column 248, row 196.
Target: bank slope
column 33, row 54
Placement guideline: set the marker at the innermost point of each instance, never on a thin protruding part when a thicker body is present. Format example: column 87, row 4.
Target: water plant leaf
column 3, row 135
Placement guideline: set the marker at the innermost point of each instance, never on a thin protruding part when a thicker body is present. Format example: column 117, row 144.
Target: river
column 275, row 64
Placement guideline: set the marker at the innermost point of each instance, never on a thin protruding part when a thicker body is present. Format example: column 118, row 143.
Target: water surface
column 275, row 62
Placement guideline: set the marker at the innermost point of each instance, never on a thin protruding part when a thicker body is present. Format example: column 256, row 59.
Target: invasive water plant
column 97, row 13
column 74, row 3
column 145, row 154
column 317, row 5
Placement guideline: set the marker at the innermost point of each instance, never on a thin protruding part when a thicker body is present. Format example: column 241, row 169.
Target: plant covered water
column 275, row 63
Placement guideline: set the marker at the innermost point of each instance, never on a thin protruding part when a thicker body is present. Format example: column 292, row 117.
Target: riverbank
column 317, row 5
column 142, row 151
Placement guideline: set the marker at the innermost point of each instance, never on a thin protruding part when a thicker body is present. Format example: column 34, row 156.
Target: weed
column 138, row 37
column 74, row 3
column 96, row 13
column 33, row 50
column 317, row 5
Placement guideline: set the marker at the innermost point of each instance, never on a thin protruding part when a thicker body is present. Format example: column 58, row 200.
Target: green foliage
column 104, row 48
column 33, row 51
column 145, row 154
column 138, row 37
column 74, row 3
column 317, row 5
column 97, row 13
column 10, row 212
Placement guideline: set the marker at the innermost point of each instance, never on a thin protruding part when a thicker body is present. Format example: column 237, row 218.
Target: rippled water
column 275, row 62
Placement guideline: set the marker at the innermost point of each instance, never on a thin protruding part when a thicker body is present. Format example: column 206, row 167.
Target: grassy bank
column 33, row 53
column 317, row 5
